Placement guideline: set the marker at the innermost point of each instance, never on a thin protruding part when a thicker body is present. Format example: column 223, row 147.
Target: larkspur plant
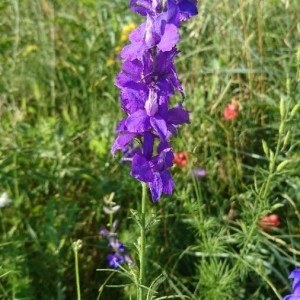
column 147, row 80
column 118, row 255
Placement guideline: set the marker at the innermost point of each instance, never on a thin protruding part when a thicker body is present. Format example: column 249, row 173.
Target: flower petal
column 156, row 187
column 167, row 181
column 121, row 141
column 159, row 125
column 169, row 38
column 138, row 122
column 141, row 169
column 178, row 115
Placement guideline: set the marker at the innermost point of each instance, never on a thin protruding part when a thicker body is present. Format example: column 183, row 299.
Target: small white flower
column 111, row 210
column 4, row 200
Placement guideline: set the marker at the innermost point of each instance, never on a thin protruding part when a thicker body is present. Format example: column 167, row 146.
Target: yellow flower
column 110, row 61
column 126, row 31
column 118, row 49
column 123, row 39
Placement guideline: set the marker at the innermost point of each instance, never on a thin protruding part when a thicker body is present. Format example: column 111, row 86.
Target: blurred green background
column 59, row 108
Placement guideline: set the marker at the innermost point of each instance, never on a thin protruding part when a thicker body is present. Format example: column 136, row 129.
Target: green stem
column 76, row 246
column 77, row 276
column 3, row 227
column 142, row 243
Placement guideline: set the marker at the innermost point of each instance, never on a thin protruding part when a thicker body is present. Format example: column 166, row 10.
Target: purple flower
column 199, row 172
column 159, row 30
column 187, row 8
column 118, row 255
column 115, row 260
column 154, row 171
column 147, row 80
column 144, row 7
column 129, row 151
column 296, row 286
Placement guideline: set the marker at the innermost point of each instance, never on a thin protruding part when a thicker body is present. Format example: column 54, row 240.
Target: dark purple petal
column 173, row 13
column 168, row 183
column 169, row 158
column 159, row 125
column 142, row 7
column 163, row 146
column 148, row 144
column 166, row 87
column 122, row 141
column 129, row 150
column 114, row 260
column 156, row 187
column 166, row 71
column 172, row 130
column 164, row 160
column 188, row 8
column 141, row 168
column 178, row 115
column 131, row 72
column 138, row 122
column 133, row 99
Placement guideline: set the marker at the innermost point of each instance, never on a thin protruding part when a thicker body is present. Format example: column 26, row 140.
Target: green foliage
column 59, row 108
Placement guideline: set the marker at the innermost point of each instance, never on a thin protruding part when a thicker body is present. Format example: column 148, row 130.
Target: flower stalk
column 142, row 243
column 76, row 247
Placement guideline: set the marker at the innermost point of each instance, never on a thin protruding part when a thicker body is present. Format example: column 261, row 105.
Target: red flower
column 268, row 222
column 181, row 159
column 231, row 110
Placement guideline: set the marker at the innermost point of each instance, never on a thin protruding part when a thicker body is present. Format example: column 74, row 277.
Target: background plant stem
column 76, row 247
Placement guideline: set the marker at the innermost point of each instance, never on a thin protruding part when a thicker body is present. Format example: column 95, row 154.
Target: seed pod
column 281, row 166
column 295, row 110
column 282, row 108
column 265, row 148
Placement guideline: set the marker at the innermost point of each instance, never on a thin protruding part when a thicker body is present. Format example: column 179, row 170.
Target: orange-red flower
column 268, row 222
column 231, row 110
column 181, row 159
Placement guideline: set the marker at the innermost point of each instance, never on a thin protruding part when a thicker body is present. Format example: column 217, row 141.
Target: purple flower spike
column 147, row 80
column 118, row 255
column 296, row 286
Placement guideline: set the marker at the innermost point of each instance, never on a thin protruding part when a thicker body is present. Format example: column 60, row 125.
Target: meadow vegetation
column 59, row 108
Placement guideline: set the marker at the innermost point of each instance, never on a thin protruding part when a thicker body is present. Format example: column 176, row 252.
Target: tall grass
column 59, row 108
